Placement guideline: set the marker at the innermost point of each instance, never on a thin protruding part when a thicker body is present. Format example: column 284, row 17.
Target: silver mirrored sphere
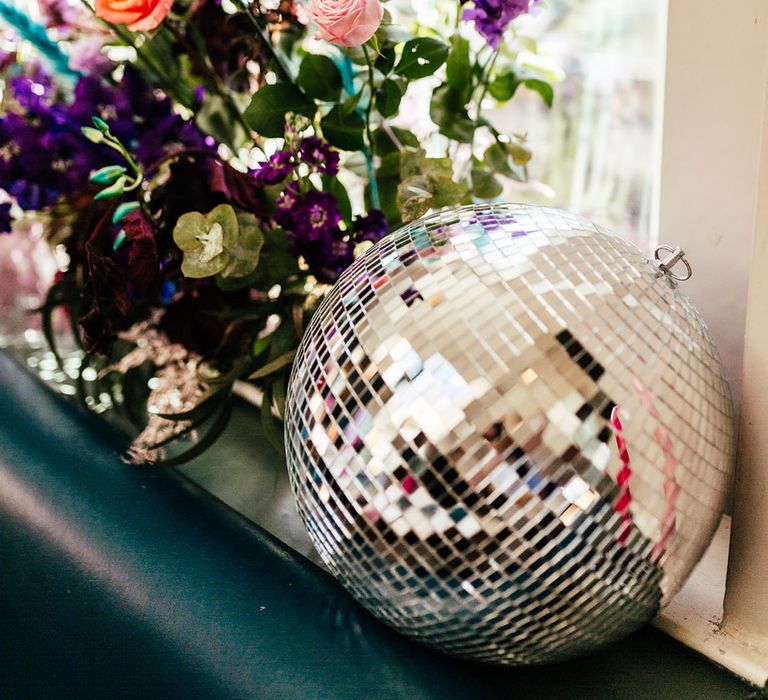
column 508, row 433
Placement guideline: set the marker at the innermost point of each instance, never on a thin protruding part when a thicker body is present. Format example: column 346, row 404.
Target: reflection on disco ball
column 508, row 433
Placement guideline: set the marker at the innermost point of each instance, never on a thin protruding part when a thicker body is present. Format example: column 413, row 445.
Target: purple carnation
column 371, row 227
column 492, row 17
column 6, row 220
column 276, row 169
column 319, row 155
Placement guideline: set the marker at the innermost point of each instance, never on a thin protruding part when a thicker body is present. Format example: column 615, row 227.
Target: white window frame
column 712, row 200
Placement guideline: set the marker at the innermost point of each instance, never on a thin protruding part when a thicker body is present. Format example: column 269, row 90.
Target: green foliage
column 426, row 183
column 266, row 113
column 388, row 97
column 505, row 84
column 448, row 112
column 485, row 185
column 458, row 70
column 345, row 131
column 221, row 242
column 421, row 57
column 320, row 78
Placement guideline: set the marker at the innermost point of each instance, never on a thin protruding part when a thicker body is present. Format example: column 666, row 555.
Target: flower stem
column 369, row 134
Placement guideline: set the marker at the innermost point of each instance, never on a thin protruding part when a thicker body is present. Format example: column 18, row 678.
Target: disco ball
column 508, row 433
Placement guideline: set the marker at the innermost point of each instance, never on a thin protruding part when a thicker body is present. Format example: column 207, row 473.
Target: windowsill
column 695, row 614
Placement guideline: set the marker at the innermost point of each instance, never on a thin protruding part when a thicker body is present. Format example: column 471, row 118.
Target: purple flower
column 276, row 169
column 319, row 155
column 312, row 222
column 43, row 155
column 492, row 17
column 371, row 227
column 315, row 216
column 6, row 220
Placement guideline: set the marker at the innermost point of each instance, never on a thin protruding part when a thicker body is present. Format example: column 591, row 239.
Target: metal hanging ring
column 676, row 255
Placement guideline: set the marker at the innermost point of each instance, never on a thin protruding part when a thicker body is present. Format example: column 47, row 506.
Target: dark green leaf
column 205, row 406
column 351, row 104
column 459, row 69
column 320, row 78
column 335, row 187
column 543, row 88
column 218, row 427
column 266, row 113
column 496, row 159
column 384, row 142
column 504, row 85
column 390, row 165
column 388, row 98
column 272, row 428
column 447, row 110
column 421, row 57
column 274, row 365
column 345, row 131
column 385, row 61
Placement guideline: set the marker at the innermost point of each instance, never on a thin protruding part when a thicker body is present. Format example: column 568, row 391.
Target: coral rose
column 346, row 22
column 139, row 15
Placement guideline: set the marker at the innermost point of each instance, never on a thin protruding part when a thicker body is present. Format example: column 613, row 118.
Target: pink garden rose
column 346, row 22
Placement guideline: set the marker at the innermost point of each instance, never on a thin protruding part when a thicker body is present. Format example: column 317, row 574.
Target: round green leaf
column 266, row 113
column 319, row 78
column 421, row 57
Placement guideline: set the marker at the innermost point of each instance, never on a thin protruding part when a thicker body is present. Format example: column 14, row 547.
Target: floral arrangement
column 209, row 167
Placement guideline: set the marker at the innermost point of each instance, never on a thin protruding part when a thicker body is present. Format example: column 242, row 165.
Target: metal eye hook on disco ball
column 508, row 432
column 676, row 255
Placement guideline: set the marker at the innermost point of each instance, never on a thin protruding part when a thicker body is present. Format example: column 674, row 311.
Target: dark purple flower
column 43, row 155
column 6, row 220
column 319, row 155
column 276, row 169
column 329, row 257
column 312, row 222
column 371, row 227
column 286, row 203
column 492, row 17
column 33, row 89
column 315, row 216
